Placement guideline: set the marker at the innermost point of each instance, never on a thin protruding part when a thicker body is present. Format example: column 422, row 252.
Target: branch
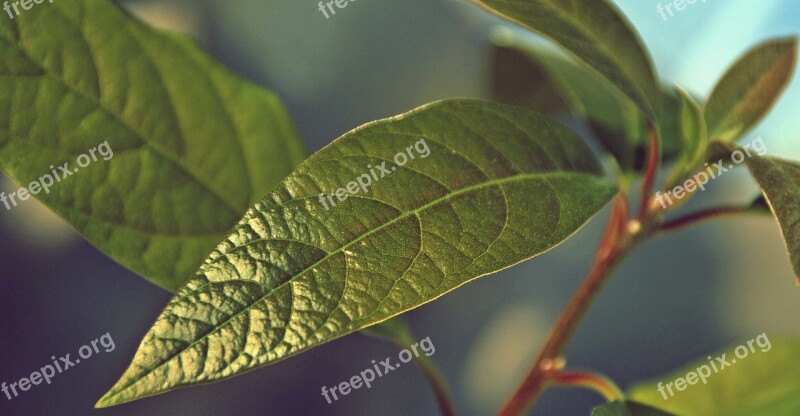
column 697, row 217
column 613, row 247
column 592, row 381
column 650, row 175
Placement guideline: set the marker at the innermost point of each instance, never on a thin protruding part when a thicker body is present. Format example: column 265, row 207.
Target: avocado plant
column 270, row 253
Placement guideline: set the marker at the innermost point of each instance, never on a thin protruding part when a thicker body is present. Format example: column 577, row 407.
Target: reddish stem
column 612, row 248
column 650, row 175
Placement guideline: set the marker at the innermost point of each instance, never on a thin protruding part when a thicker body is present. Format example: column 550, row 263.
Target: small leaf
column 595, row 32
column 193, row 145
column 693, row 128
column 750, row 88
column 694, row 137
column 763, row 383
column 489, row 186
column 627, row 408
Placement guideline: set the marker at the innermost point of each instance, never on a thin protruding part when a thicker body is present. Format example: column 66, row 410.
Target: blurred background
column 678, row 298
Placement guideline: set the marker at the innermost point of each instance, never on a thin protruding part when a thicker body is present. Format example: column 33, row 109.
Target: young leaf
column 482, row 186
column 765, row 383
column 595, row 32
column 627, row 408
column 693, row 134
column 193, row 145
column 748, row 90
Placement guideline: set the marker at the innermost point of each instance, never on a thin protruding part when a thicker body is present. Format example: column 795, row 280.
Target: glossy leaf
column 194, row 145
column 764, row 383
column 595, row 32
column 614, row 119
column 627, row 408
column 497, row 185
column 749, row 89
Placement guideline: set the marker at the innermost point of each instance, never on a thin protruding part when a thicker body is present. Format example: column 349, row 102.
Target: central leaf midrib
column 492, row 182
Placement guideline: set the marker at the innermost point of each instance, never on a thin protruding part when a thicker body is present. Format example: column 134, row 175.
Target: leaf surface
column 595, row 32
column 749, row 88
column 193, row 145
column 489, row 186
column 763, row 383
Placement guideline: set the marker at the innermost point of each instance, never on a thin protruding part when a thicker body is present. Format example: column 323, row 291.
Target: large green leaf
column 627, row 408
column 615, row 120
column 490, row 186
column 763, row 383
column 595, row 32
column 194, row 146
column 748, row 90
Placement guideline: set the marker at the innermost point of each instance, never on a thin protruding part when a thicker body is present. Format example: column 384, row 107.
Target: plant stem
column 654, row 156
column 615, row 244
column 593, row 381
column 434, row 376
column 694, row 218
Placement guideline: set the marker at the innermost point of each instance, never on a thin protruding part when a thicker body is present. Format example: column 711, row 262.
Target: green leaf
column 194, row 145
column 627, row 408
column 750, row 88
column 490, row 186
column 780, row 181
column 693, row 135
column 614, row 119
column 595, row 32
column 764, row 383
column 693, row 127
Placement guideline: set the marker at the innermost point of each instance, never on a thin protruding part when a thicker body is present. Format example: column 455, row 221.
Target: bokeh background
column 678, row 298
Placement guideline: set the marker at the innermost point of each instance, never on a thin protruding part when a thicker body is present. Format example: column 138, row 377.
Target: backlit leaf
column 750, row 88
column 193, row 145
column 484, row 186
column 761, row 381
